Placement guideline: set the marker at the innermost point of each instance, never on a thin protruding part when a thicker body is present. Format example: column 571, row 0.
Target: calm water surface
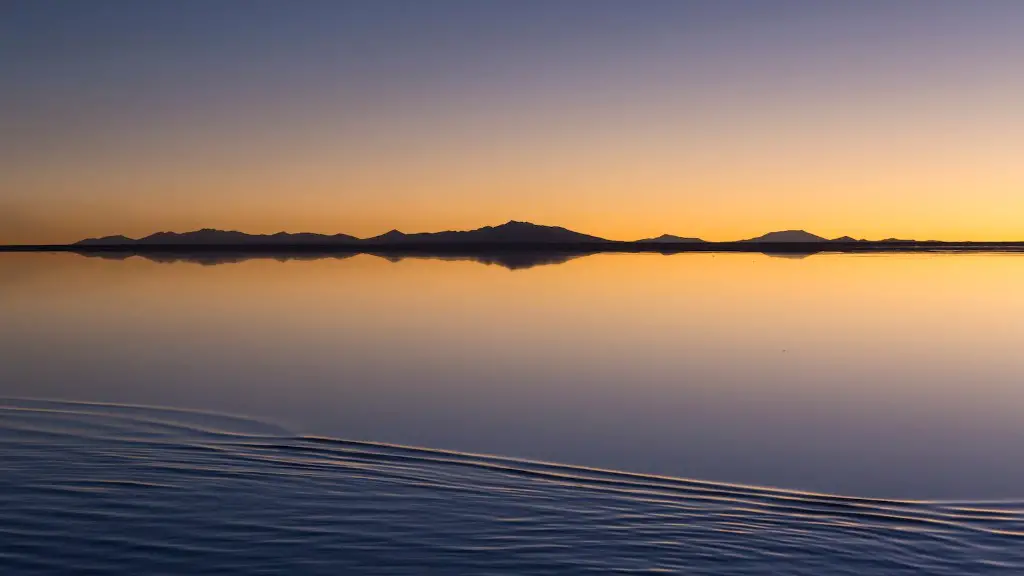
column 257, row 415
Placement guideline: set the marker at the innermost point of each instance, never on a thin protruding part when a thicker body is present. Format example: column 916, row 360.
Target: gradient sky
column 623, row 119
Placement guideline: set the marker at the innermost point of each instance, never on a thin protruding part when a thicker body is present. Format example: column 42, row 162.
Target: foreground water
column 128, row 490
column 891, row 380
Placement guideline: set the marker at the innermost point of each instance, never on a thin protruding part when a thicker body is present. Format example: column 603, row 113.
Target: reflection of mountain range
column 511, row 260
column 517, row 260
column 214, row 259
column 790, row 255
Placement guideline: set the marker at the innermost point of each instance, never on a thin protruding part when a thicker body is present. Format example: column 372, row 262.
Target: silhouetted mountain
column 309, row 238
column 388, row 237
column 845, row 239
column 672, row 239
column 788, row 236
column 211, row 237
column 508, row 233
column 106, row 241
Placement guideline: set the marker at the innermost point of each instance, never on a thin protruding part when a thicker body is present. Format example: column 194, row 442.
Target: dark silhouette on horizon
column 788, row 236
column 671, row 239
column 481, row 243
column 211, row 237
column 800, row 236
column 511, row 232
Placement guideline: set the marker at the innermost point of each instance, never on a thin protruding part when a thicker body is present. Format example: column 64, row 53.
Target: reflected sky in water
column 874, row 375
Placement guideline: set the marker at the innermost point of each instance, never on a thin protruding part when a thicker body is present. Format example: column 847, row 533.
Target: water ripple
column 129, row 489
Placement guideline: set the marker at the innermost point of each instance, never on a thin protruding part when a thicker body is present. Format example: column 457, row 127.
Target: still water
column 705, row 413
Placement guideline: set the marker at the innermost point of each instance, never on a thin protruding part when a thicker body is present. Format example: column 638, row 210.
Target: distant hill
column 672, row 239
column 211, row 237
column 788, row 236
column 511, row 232
column 106, row 241
column 388, row 237
column 845, row 239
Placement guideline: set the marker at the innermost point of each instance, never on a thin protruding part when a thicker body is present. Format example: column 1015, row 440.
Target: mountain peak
column 392, row 235
column 511, row 232
column 518, row 224
column 672, row 239
column 105, row 240
column 788, row 236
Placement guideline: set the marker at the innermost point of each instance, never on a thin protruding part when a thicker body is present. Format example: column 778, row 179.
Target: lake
column 701, row 413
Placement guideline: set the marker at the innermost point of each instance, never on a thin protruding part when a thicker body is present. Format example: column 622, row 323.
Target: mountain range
column 211, row 237
column 801, row 236
column 512, row 232
column 509, row 232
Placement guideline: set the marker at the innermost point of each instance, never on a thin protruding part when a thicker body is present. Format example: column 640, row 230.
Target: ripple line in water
column 137, row 489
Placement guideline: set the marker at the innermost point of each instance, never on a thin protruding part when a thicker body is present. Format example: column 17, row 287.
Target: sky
column 624, row 119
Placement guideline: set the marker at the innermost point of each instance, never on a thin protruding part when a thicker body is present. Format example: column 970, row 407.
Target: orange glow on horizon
column 905, row 123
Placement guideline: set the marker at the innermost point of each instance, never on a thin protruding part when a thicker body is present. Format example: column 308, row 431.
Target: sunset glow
column 625, row 120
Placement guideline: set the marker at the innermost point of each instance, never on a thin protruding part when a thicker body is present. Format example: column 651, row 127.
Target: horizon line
column 394, row 232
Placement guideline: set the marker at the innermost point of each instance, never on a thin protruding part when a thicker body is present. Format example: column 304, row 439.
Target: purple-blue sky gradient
column 623, row 119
